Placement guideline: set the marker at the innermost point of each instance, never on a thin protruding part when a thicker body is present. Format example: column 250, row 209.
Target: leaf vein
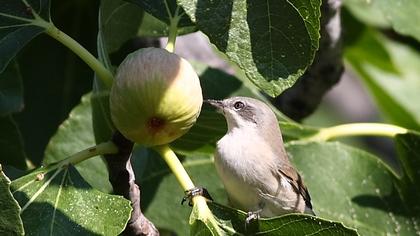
column 16, row 17
column 40, row 190
column 56, row 201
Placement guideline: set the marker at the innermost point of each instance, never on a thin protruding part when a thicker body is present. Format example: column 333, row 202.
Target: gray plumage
column 253, row 164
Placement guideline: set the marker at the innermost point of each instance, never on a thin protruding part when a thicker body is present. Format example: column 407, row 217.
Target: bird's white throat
column 241, row 145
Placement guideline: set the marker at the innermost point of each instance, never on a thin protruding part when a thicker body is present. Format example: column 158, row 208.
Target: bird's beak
column 216, row 103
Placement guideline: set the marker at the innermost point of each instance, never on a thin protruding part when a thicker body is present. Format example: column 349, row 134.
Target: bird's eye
column 238, row 105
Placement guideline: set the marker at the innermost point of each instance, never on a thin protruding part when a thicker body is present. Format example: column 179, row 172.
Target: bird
column 253, row 164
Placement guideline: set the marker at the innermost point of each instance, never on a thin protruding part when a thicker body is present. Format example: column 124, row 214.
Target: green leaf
column 103, row 126
column 306, row 225
column 366, row 12
column 75, row 134
column 349, row 185
column 55, row 200
column 10, row 222
column 401, row 14
column 203, row 222
column 389, row 70
column 408, row 146
column 153, row 27
column 119, row 21
column 11, row 91
column 209, row 128
column 158, row 9
column 232, row 220
column 20, row 21
column 292, row 130
column 11, row 145
column 11, row 100
column 13, row 173
column 398, row 14
column 272, row 42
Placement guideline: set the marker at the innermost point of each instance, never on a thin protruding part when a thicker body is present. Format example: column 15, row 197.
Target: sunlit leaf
column 354, row 187
column 273, row 42
column 401, row 14
column 232, row 222
column 390, row 71
column 55, row 200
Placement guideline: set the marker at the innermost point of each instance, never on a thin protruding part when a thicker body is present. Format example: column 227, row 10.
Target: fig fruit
column 156, row 97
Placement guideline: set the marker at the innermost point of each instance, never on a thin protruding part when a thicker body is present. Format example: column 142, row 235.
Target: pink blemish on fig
column 155, row 124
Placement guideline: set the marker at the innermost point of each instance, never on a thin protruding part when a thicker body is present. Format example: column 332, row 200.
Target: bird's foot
column 251, row 221
column 252, row 216
column 190, row 193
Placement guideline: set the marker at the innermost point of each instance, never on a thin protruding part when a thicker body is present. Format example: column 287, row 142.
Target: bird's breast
column 244, row 168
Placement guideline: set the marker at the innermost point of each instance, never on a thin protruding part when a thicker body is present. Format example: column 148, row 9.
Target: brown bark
column 121, row 176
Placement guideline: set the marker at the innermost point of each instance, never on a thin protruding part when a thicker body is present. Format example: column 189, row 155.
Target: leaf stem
column 104, row 74
column 357, row 129
column 100, row 149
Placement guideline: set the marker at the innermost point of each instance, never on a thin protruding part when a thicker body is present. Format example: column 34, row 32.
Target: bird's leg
column 190, row 193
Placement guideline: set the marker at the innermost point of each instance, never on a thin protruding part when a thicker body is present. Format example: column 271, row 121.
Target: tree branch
column 121, row 176
column 303, row 98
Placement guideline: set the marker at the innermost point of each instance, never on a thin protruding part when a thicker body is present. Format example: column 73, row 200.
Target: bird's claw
column 190, row 193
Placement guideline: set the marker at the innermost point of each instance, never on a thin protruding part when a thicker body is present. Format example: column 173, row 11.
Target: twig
column 303, row 98
column 121, row 176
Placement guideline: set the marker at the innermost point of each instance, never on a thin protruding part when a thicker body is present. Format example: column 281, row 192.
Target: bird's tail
column 309, row 211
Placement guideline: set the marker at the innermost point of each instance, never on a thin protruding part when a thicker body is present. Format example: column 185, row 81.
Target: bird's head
column 243, row 112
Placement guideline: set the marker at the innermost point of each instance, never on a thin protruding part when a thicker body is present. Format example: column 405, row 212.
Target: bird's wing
column 296, row 181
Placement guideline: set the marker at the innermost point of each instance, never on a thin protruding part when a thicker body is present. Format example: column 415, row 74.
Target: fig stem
column 103, row 73
column 200, row 203
column 173, row 28
column 176, row 166
column 356, row 129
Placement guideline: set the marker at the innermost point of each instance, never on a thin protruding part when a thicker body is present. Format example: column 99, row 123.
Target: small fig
column 156, row 97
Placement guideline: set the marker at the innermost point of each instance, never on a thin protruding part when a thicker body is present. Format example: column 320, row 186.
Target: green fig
column 156, row 97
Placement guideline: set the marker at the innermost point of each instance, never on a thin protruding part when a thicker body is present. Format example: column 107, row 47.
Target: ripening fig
column 156, row 97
